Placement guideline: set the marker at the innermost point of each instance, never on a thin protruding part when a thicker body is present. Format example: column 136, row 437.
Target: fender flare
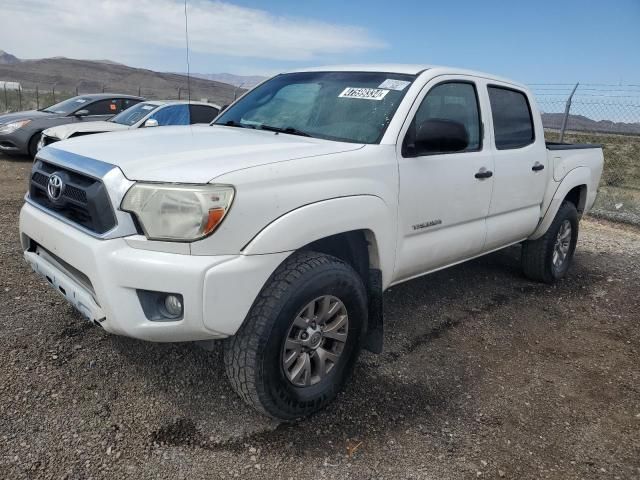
column 318, row 220
column 576, row 177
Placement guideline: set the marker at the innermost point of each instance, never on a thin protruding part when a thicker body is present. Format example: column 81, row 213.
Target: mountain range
column 68, row 75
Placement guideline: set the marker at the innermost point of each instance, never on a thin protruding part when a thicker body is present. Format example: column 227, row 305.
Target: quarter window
column 512, row 120
column 449, row 105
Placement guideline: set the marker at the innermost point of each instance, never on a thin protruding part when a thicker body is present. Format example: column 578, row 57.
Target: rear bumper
column 104, row 276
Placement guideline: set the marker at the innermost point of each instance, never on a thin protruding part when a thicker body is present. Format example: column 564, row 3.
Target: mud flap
column 375, row 332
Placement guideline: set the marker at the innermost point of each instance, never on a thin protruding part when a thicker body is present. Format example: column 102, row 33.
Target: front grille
column 84, row 200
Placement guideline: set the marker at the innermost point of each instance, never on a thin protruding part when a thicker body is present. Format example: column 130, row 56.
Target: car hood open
column 192, row 154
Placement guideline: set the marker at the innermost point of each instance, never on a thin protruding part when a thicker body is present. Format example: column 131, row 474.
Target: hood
column 193, row 154
column 65, row 131
column 26, row 115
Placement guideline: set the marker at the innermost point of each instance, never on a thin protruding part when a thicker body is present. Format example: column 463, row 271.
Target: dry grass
column 619, row 193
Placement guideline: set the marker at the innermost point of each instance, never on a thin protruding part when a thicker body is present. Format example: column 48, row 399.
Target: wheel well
column 577, row 196
column 352, row 247
column 359, row 249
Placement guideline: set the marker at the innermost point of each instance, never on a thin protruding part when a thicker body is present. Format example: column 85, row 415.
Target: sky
column 528, row 41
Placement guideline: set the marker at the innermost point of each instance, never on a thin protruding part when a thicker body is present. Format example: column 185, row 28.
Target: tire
column 32, row 148
column 538, row 259
column 255, row 356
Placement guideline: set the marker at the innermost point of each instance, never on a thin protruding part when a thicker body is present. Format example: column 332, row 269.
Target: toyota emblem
column 55, row 187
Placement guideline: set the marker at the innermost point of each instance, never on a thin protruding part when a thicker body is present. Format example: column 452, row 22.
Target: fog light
column 173, row 305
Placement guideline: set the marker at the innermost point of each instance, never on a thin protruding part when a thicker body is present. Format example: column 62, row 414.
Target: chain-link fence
column 15, row 97
column 604, row 114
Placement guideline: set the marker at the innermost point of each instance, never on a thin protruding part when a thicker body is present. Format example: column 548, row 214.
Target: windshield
column 344, row 106
column 67, row 106
column 134, row 114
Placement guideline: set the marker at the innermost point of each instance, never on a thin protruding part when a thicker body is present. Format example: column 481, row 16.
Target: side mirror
column 82, row 113
column 151, row 122
column 440, row 136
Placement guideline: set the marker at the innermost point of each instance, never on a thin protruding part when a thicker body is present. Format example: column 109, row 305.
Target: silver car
column 146, row 114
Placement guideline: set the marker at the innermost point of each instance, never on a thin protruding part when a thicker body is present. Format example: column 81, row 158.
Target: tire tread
column 241, row 351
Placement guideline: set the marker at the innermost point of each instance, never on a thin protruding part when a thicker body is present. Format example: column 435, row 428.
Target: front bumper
column 13, row 143
column 101, row 278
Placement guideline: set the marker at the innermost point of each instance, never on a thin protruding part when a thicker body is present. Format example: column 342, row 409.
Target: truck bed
column 571, row 146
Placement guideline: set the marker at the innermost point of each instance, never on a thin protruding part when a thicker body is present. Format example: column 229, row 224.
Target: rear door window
column 202, row 113
column 512, row 120
column 104, row 107
column 125, row 103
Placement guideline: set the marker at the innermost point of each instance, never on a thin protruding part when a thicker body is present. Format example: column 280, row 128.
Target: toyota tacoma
column 278, row 227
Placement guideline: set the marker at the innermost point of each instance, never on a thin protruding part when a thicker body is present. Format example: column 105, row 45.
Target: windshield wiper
column 289, row 130
column 233, row 123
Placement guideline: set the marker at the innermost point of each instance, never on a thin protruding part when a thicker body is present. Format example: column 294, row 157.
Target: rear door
column 520, row 170
column 444, row 197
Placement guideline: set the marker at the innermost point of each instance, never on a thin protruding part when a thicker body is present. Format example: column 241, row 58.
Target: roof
column 407, row 69
column 381, row 67
column 181, row 102
column 100, row 96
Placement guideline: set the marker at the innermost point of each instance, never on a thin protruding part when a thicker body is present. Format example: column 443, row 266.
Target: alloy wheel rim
column 315, row 341
column 562, row 245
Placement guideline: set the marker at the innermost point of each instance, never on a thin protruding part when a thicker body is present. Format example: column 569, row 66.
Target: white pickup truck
column 278, row 227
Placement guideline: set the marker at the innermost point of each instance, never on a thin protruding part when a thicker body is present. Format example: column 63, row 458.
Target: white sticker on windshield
column 365, row 93
column 147, row 107
column 392, row 84
column 81, row 100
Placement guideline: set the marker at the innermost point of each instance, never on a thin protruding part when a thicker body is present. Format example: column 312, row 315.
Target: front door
column 444, row 194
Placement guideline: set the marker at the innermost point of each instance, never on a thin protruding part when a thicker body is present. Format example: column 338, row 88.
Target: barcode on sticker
column 365, row 93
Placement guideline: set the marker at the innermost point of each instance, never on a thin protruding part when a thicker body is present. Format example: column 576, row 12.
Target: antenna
column 186, row 33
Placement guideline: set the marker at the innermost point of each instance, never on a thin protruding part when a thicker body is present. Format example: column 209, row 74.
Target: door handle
column 537, row 167
column 484, row 173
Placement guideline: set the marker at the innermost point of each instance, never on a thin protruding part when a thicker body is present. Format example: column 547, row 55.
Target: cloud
column 129, row 30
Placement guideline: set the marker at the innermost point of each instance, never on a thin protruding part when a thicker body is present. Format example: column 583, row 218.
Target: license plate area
column 75, row 293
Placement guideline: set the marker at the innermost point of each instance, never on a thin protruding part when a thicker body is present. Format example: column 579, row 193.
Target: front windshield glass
column 134, row 114
column 344, row 106
column 68, row 106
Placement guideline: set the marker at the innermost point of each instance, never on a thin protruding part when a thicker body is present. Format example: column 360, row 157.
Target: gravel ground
column 485, row 374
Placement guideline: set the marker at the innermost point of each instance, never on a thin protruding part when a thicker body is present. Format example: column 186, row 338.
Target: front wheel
column 32, row 148
column 300, row 340
column 548, row 258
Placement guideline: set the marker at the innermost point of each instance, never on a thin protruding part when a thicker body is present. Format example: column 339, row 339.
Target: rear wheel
column 299, row 343
column 548, row 258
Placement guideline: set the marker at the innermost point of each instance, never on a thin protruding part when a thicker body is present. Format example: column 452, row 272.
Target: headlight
column 178, row 212
column 13, row 126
